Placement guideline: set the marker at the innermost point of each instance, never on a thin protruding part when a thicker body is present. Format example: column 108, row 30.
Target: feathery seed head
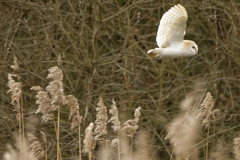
column 31, row 137
column 47, row 117
column 15, row 88
column 43, row 136
column 36, row 146
column 15, row 66
column 21, row 150
column 205, row 112
column 36, row 88
column 114, row 142
column 55, row 89
column 76, row 120
column 183, row 133
column 59, row 60
column 43, row 100
column 132, row 125
column 74, row 111
column 73, row 105
column 137, row 113
column 236, row 142
column 55, row 73
column 114, row 119
column 220, row 150
column 89, row 141
column 101, row 121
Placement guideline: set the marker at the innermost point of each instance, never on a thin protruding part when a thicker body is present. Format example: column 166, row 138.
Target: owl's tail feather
column 153, row 53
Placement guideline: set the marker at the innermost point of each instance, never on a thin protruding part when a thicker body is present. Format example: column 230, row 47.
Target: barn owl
column 170, row 36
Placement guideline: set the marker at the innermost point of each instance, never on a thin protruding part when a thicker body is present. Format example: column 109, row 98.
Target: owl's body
column 175, row 50
column 170, row 36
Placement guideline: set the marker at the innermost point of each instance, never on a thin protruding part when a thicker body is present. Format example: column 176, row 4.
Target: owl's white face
column 190, row 47
column 194, row 48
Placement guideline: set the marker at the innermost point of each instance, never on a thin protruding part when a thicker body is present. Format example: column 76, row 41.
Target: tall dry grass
column 100, row 47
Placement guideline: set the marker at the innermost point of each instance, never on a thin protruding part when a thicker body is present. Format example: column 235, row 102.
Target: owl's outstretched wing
column 172, row 26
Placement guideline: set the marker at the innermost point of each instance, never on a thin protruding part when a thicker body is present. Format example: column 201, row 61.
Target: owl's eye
column 193, row 47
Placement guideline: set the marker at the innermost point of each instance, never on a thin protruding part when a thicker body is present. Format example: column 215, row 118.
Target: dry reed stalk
column 55, row 89
column 125, row 146
column 21, row 152
column 48, row 117
column 105, row 152
column 205, row 112
column 47, row 105
column 44, row 139
column 76, row 118
column 183, row 131
column 116, row 126
column 36, row 146
column 131, row 127
column 15, row 67
column 89, row 141
column 15, row 88
column 142, row 151
column 101, row 120
column 183, row 135
column 59, row 60
column 236, row 148
column 219, row 151
column 115, row 143
column 114, row 119
column 44, row 102
column 74, row 111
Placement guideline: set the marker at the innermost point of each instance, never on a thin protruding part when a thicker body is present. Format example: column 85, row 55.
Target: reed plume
column 131, row 125
column 183, row 135
column 76, row 118
column 21, row 151
column 101, row 120
column 116, row 126
column 15, row 88
column 236, row 148
column 114, row 119
column 36, row 146
column 15, row 65
column 205, row 112
column 183, row 131
column 44, row 103
column 55, row 87
column 89, row 141
column 74, row 111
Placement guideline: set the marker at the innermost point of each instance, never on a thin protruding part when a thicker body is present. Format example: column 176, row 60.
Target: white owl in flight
column 170, row 36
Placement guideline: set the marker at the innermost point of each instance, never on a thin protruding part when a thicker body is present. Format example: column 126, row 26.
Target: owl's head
column 190, row 46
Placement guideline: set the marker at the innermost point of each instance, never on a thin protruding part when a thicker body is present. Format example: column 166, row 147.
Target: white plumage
column 170, row 36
